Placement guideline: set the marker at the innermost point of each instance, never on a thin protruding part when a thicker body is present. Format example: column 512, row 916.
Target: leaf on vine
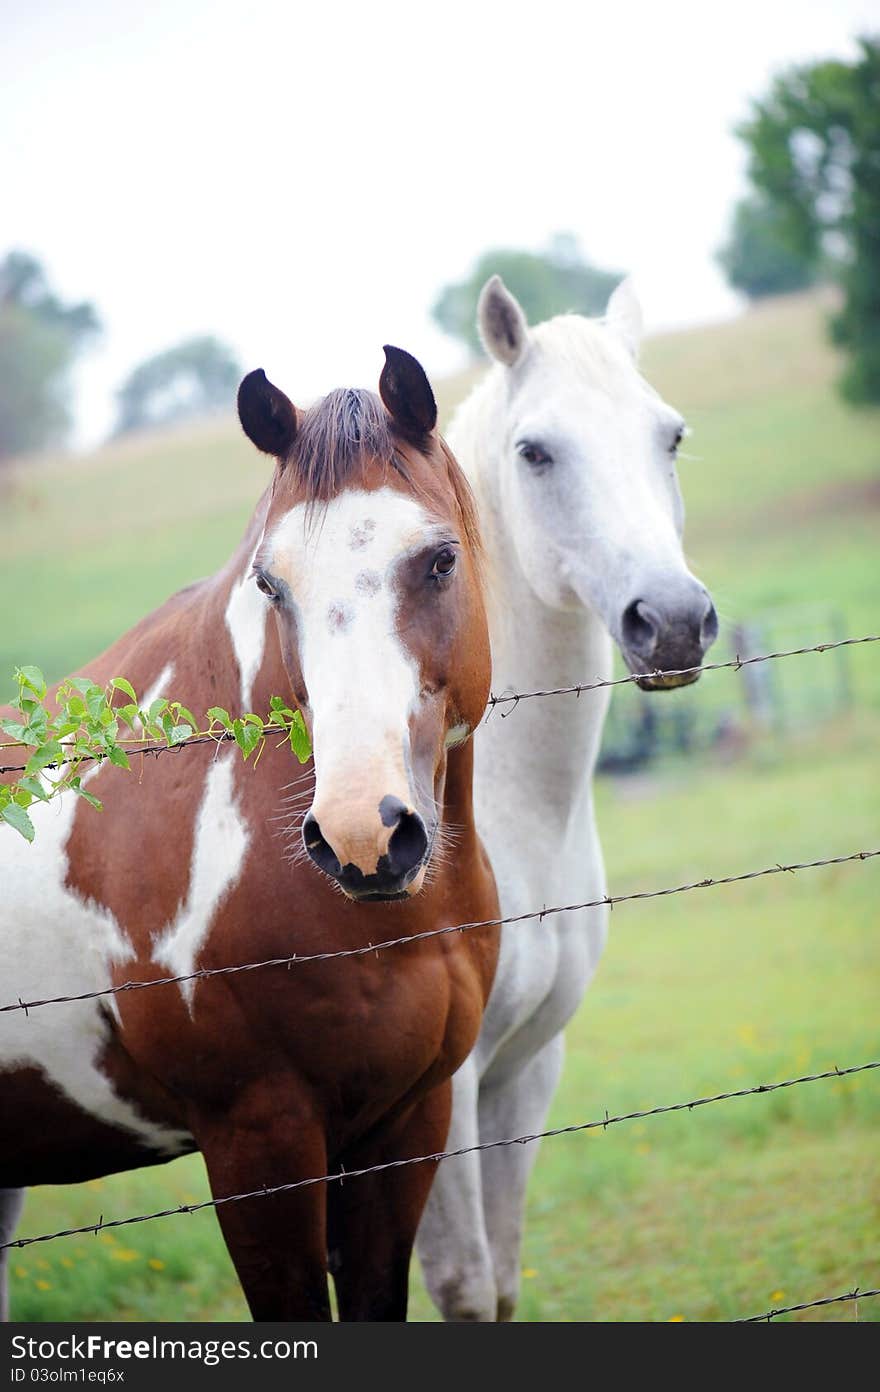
column 50, row 753
column 221, row 717
column 247, row 737
column 32, row 678
column 129, row 714
column 80, row 791
column 120, row 684
column 18, row 818
column 35, row 788
column 299, row 738
column 18, row 731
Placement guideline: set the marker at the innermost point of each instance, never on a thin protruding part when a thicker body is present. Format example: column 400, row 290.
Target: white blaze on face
column 362, row 683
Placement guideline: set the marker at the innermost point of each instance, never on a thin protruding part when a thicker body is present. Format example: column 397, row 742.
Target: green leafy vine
column 88, row 728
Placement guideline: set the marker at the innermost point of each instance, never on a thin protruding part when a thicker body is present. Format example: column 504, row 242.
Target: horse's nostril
column 408, row 844
column 640, row 627
column 318, row 849
column 709, row 627
column 406, row 849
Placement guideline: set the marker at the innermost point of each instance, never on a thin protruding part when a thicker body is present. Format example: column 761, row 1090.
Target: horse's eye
column 533, row 455
column 444, row 563
column 264, row 586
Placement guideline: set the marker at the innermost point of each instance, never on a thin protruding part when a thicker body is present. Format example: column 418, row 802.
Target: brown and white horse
column 366, row 551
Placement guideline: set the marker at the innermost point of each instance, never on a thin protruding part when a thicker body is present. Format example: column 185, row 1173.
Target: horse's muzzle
column 668, row 647
column 408, row 850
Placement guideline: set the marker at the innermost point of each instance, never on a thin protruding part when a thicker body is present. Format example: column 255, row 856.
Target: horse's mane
column 340, row 435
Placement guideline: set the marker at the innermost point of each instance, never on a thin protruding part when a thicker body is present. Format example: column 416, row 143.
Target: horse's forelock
column 336, row 440
column 348, row 430
column 587, row 346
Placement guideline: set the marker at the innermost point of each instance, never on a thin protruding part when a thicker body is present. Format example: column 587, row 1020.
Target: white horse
column 573, row 459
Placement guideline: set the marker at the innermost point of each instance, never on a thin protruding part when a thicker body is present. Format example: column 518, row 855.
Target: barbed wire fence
column 435, row 1157
column 769, row 1315
column 733, row 664
column 513, row 699
column 368, row 949
column 610, row 901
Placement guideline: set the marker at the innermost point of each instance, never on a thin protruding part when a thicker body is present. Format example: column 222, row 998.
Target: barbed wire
column 512, row 698
column 768, row 1315
column 297, row 960
column 736, row 663
column 220, row 737
column 435, row 1157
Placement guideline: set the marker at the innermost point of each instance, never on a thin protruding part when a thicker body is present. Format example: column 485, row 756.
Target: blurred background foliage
column 39, row 339
column 196, row 378
column 813, row 144
column 557, row 280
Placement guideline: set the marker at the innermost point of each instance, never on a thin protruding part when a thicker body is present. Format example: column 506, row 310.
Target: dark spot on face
column 339, row 616
column 362, row 536
column 391, row 809
column 368, row 582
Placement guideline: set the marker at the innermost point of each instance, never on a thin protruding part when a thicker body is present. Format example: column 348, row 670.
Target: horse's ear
column 502, row 325
column 268, row 418
column 406, row 393
column 624, row 316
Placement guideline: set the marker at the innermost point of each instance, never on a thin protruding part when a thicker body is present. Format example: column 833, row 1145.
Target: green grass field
column 712, row 1214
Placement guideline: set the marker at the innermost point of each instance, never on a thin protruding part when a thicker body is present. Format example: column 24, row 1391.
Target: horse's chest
column 377, row 1027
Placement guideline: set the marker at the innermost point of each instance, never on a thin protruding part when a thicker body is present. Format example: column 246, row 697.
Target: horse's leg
column 452, row 1243
column 516, row 1107
column 278, row 1242
column 372, row 1221
column 11, row 1204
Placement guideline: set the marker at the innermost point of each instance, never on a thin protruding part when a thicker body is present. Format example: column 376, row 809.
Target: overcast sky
column 301, row 179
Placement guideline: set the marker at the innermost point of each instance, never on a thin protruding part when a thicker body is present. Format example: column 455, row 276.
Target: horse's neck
column 547, row 746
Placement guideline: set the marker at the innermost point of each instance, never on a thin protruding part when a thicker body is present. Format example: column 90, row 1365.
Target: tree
column 757, row 258
column 40, row 337
column 195, row 378
column 814, row 156
column 545, row 283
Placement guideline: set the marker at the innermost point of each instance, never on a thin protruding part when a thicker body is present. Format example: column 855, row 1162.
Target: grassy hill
column 713, row 1214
